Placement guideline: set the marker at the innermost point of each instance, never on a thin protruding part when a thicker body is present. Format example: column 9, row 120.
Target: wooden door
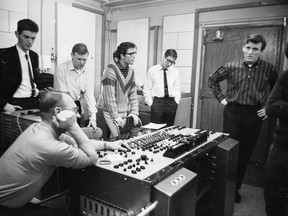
column 218, row 52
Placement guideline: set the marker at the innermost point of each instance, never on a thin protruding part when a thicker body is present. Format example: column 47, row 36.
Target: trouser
column 26, row 103
column 114, row 130
column 32, row 210
column 276, row 183
column 163, row 110
column 77, row 102
column 243, row 125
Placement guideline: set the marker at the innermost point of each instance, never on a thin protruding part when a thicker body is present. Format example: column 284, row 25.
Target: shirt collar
column 253, row 65
column 120, row 66
column 161, row 68
column 21, row 52
column 71, row 67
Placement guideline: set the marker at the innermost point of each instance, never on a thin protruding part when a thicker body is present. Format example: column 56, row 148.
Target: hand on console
column 117, row 145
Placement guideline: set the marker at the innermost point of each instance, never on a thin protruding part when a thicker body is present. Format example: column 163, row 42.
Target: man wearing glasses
column 40, row 149
column 119, row 89
column 162, row 89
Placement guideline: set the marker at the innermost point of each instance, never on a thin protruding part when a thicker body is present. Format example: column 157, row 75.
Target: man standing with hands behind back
column 72, row 77
column 18, row 70
column 249, row 81
column 162, row 89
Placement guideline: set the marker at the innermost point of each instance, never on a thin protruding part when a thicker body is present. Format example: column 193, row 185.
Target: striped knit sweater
column 119, row 91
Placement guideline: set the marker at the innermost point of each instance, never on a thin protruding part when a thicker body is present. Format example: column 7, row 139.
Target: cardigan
column 119, row 93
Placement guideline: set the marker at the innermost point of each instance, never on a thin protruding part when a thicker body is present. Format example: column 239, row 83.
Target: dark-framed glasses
column 132, row 54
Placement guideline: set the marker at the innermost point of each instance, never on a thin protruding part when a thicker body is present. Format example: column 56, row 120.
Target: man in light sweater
column 43, row 146
column 119, row 89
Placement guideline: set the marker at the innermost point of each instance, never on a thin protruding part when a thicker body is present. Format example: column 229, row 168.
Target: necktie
column 30, row 76
column 166, row 94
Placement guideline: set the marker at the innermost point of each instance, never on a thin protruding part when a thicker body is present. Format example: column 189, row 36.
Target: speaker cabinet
column 223, row 192
column 176, row 194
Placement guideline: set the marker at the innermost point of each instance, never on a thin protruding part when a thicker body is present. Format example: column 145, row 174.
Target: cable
column 18, row 122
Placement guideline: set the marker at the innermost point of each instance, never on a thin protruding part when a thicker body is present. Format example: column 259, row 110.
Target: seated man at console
column 32, row 158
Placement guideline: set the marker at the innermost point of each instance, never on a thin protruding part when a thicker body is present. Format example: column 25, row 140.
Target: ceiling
column 129, row 3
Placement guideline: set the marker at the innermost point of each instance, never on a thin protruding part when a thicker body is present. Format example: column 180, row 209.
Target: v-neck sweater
column 119, row 92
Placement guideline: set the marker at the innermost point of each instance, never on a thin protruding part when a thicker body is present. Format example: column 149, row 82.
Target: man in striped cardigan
column 119, row 89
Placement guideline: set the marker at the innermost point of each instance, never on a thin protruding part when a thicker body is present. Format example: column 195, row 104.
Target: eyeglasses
column 170, row 61
column 132, row 54
column 75, row 109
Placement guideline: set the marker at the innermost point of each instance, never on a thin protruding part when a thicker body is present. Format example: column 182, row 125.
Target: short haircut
column 50, row 100
column 28, row 25
column 256, row 38
column 80, row 48
column 123, row 48
column 172, row 53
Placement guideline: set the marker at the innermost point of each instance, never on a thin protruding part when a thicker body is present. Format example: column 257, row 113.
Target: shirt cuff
column 93, row 117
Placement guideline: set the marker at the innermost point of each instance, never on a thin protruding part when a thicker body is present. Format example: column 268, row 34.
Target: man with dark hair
column 19, row 70
column 276, row 176
column 249, row 81
column 162, row 89
column 32, row 158
column 73, row 77
column 119, row 89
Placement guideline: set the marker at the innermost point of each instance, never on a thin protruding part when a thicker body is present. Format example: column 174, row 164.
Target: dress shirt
column 76, row 82
column 154, row 85
column 246, row 85
column 25, row 89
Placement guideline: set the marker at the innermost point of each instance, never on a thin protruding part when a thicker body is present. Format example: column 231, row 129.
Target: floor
column 252, row 203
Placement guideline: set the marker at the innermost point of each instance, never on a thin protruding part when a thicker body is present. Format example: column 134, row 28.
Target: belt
column 256, row 106
column 164, row 97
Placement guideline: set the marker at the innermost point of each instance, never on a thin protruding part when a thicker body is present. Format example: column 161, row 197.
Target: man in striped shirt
column 249, row 81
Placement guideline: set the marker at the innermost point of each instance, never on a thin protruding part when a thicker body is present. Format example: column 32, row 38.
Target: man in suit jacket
column 19, row 70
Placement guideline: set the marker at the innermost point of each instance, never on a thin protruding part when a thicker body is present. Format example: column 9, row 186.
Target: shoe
column 237, row 197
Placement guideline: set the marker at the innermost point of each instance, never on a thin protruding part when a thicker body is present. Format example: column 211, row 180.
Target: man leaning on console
column 57, row 140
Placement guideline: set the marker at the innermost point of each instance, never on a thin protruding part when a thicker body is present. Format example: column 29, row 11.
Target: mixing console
column 169, row 169
column 158, row 151
column 164, row 171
